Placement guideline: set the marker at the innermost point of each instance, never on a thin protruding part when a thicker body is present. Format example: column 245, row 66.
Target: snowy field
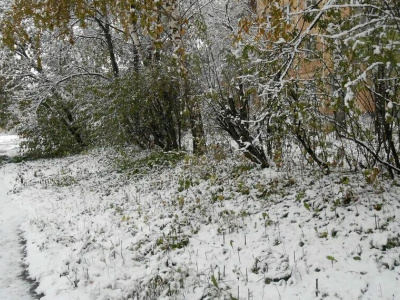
column 107, row 225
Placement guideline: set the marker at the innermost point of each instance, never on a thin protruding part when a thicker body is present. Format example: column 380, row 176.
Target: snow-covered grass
column 107, row 225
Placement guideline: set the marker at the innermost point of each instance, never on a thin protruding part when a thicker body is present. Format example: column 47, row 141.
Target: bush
column 146, row 109
column 56, row 131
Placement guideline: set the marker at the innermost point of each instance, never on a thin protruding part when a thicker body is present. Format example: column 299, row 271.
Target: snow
column 11, row 216
column 377, row 50
column 8, row 144
column 98, row 226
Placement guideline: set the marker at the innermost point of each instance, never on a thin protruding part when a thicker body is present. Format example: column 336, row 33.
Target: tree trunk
column 197, row 130
column 240, row 134
column 110, row 46
column 171, row 7
column 138, row 52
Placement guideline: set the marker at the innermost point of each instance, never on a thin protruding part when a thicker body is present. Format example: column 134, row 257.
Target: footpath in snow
column 12, row 286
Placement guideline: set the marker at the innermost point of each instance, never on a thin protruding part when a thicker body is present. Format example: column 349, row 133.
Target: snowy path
column 12, row 287
column 8, row 144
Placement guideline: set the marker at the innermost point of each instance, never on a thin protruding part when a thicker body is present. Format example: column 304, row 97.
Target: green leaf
column 357, row 258
column 214, row 281
column 307, row 206
column 345, row 180
column 331, row 258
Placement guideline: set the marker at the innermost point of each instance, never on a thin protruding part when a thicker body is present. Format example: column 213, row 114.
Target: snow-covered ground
column 12, row 286
column 11, row 216
column 8, row 144
column 107, row 225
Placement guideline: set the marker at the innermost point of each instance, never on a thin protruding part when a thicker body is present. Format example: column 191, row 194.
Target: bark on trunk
column 110, row 46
